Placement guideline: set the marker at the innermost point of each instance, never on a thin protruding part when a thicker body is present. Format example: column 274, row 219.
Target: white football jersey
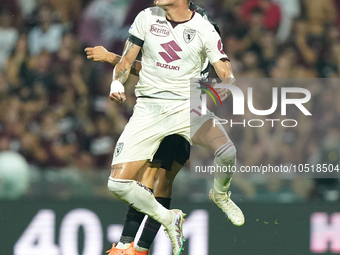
column 173, row 52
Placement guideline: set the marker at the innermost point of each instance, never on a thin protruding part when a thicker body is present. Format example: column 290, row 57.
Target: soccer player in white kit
column 175, row 43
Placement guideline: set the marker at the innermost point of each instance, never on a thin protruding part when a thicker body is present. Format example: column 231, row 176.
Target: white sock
column 224, row 156
column 141, row 198
column 138, row 248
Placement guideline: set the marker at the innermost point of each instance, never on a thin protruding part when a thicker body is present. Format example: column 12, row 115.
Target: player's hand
column 117, row 92
column 222, row 92
column 97, row 53
column 118, row 97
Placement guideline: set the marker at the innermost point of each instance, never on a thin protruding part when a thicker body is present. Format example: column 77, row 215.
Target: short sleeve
column 213, row 47
column 138, row 28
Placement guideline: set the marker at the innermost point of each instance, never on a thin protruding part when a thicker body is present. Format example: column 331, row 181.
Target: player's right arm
column 100, row 54
column 122, row 71
column 133, row 45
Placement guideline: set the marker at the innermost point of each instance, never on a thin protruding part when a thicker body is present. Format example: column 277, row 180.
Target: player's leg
column 120, row 172
column 163, row 192
column 140, row 197
column 134, row 218
column 173, row 153
column 165, row 179
column 122, row 184
column 216, row 140
column 172, row 156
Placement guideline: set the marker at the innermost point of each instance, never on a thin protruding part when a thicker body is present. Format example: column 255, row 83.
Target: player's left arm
column 213, row 48
column 225, row 73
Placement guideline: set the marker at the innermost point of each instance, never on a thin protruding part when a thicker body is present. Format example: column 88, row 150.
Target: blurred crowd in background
column 55, row 111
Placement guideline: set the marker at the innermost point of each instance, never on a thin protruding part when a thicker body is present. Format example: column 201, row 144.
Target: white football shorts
column 152, row 120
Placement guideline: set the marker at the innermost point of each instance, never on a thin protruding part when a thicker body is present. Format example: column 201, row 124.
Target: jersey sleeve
column 138, row 29
column 213, row 47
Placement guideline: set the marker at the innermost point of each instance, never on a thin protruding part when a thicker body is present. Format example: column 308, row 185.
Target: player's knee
column 119, row 187
column 226, row 154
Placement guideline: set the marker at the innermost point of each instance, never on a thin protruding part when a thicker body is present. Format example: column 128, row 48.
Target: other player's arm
column 122, row 71
column 100, row 54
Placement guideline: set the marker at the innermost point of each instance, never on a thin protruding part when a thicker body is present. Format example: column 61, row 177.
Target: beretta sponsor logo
column 159, row 30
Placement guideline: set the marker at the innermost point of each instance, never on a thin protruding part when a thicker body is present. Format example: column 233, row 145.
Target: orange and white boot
column 115, row 251
column 142, row 252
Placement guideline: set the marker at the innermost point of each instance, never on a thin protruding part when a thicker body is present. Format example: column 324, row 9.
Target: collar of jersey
column 175, row 23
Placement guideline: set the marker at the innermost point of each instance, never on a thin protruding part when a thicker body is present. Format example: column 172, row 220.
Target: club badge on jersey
column 119, row 148
column 189, row 35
